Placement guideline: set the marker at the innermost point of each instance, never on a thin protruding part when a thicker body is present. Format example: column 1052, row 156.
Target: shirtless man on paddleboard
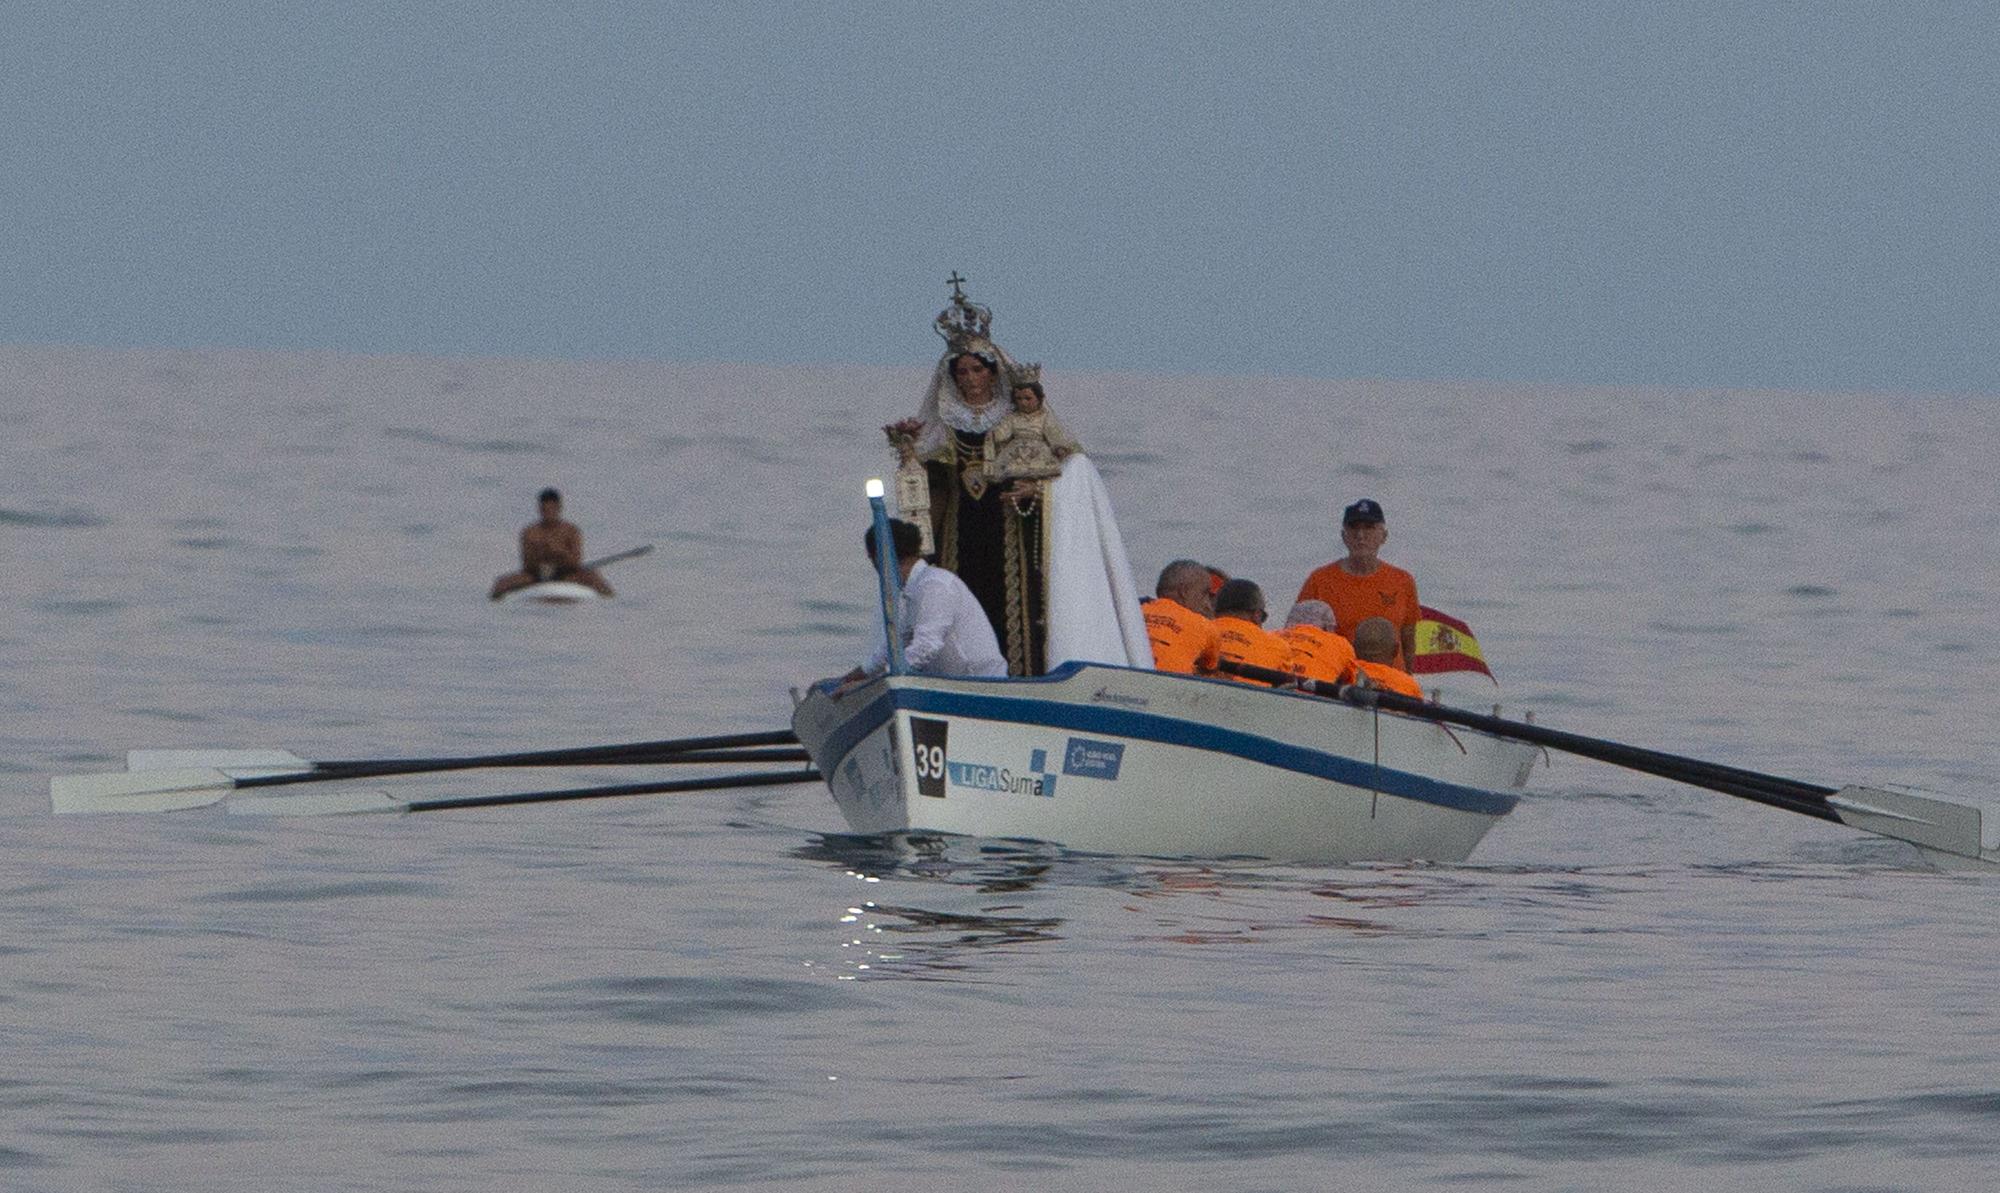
column 551, row 549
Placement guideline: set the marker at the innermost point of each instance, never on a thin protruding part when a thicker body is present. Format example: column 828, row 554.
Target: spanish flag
column 1445, row 643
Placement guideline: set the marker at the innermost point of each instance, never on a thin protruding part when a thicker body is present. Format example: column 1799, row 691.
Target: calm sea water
column 1633, row 985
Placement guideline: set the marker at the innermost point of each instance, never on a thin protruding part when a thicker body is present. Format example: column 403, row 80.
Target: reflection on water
column 988, row 865
column 940, row 905
column 932, row 912
column 900, row 939
column 932, row 945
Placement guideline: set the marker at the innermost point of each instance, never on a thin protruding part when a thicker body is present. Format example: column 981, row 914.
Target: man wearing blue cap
column 1360, row 586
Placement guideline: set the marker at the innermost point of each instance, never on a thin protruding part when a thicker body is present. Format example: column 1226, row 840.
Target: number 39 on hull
column 1128, row 761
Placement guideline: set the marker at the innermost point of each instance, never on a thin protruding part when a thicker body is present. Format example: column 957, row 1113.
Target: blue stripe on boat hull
column 1140, row 726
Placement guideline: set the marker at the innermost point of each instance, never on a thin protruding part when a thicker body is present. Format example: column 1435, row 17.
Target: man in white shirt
column 945, row 631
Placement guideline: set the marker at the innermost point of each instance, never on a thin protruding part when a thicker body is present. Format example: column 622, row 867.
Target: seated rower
column 1374, row 645
column 551, row 549
column 1177, row 621
column 945, row 630
column 1317, row 652
column 1239, row 621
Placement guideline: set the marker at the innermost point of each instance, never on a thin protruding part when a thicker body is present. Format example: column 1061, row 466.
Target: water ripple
column 504, row 447
column 80, row 608
column 682, row 1001
column 179, row 716
column 58, row 520
column 322, row 892
column 1684, row 627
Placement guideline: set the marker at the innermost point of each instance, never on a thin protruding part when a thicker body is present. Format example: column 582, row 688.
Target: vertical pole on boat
column 891, row 575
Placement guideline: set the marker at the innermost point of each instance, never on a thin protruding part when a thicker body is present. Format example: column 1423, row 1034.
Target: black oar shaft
column 719, row 782
column 682, row 758
column 1772, row 789
column 634, row 753
column 721, row 741
column 1807, row 799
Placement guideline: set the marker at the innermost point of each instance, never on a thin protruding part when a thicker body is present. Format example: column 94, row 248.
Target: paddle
column 599, row 562
column 190, row 785
column 347, row 802
column 1933, row 825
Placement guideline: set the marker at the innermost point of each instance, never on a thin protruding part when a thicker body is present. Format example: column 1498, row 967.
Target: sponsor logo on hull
column 1093, row 759
column 979, row 776
column 1107, row 696
column 937, row 771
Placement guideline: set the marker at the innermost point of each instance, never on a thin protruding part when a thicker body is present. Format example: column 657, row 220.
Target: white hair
column 1313, row 613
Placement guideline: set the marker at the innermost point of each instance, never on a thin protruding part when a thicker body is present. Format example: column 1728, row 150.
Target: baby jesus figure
column 1028, row 444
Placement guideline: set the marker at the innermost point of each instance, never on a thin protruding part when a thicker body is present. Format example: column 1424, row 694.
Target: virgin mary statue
column 1042, row 555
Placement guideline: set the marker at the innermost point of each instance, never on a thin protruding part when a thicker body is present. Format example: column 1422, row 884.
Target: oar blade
column 317, row 803
column 233, row 761
column 1950, row 834
column 138, row 791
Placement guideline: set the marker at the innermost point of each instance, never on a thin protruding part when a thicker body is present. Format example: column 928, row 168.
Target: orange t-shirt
column 1319, row 654
column 1247, row 642
column 1382, row 675
column 1183, row 640
column 1388, row 591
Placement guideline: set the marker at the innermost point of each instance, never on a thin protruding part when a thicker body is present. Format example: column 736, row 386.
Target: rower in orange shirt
column 1239, row 620
column 1177, row 621
column 1359, row 585
column 1317, row 652
column 1374, row 646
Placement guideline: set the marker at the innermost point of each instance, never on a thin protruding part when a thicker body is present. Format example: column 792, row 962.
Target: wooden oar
column 338, row 803
column 1933, row 825
column 192, row 786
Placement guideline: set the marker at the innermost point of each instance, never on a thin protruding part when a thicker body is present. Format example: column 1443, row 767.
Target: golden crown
column 965, row 325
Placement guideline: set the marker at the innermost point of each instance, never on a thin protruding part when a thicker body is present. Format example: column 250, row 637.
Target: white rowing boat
column 1123, row 760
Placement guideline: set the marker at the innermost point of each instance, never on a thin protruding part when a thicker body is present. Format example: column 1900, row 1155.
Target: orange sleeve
column 1384, row 676
column 1211, row 648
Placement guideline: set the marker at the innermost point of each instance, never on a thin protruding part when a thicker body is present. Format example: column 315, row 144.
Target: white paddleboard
column 553, row 592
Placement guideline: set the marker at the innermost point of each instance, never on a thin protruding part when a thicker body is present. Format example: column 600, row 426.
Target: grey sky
column 1795, row 195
